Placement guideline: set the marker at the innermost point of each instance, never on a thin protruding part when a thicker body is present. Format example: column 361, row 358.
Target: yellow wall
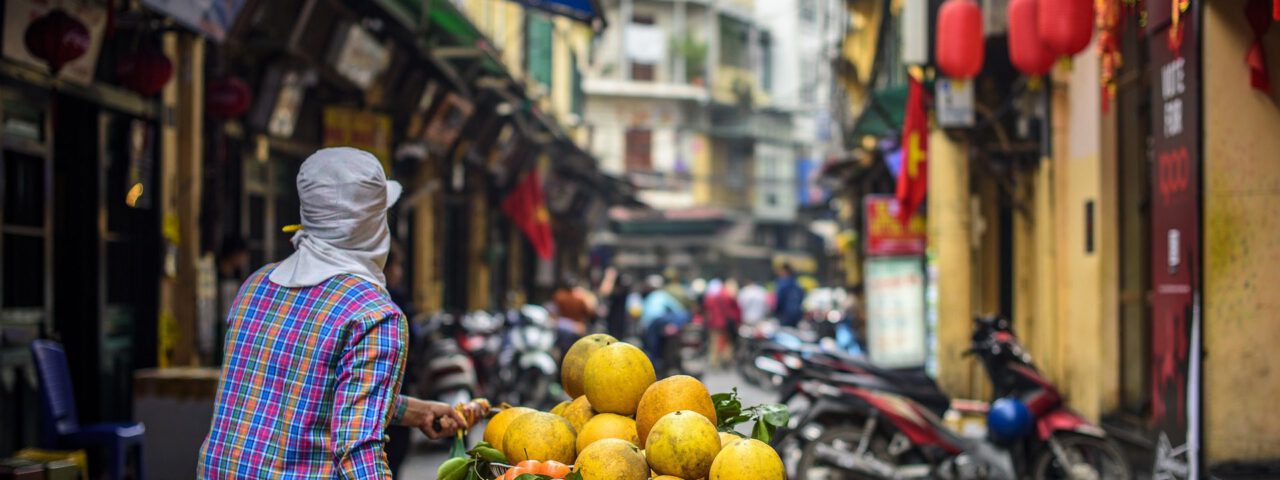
column 949, row 236
column 1241, row 243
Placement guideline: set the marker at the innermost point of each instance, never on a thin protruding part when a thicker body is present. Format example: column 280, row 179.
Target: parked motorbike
column 526, row 367
column 442, row 370
column 481, row 337
column 854, row 425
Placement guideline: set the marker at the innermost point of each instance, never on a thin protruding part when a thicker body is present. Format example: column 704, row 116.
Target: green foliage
column 768, row 416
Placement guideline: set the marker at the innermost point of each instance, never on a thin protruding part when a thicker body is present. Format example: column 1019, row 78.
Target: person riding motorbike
column 659, row 311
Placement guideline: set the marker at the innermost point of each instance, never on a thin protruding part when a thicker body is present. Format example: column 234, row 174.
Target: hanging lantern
column 960, row 45
column 57, row 38
column 145, row 71
column 1027, row 50
column 227, row 97
column 1066, row 25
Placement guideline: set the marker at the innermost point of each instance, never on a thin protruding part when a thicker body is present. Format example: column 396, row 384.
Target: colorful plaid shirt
column 309, row 382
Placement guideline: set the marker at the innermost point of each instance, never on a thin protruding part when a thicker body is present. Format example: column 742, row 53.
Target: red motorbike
column 857, row 427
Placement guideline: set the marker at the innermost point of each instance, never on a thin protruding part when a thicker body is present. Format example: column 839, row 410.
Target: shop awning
column 882, row 115
column 588, row 11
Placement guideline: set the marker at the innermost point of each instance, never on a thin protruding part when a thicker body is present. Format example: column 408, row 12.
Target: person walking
column 315, row 347
column 753, row 302
column 721, row 311
column 790, row 297
column 616, row 289
column 660, row 310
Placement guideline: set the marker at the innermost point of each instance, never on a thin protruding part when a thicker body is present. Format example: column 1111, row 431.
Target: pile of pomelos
column 624, row 424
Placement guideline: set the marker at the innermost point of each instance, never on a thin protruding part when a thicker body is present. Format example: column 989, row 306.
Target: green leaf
column 763, row 431
column 775, row 414
column 727, row 405
column 530, row 476
column 573, row 476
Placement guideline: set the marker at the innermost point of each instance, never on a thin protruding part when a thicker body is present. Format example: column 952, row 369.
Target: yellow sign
column 368, row 131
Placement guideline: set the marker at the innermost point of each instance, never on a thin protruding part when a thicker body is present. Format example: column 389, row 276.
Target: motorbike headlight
column 811, row 432
column 792, row 362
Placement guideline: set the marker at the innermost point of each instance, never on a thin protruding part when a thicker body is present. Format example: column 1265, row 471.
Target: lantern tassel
column 1256, row 58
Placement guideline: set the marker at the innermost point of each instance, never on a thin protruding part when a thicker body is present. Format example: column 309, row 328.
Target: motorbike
column 527, row 370
column 441, row 370
column 481, row 337
column 856, row 425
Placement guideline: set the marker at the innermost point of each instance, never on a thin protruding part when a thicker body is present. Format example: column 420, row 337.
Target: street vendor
column 315, row 348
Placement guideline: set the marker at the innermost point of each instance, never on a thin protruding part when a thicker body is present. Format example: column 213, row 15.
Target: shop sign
column 955, row 103
column 19, row 15
column 212, row 18
column 368, row 131
column 886, row 234
column 896, row 336
column 446, row 123
column 359, row 57
column 1175, row 249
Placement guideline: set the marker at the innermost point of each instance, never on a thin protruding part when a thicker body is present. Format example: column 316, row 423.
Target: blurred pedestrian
column 398, row 436
column 616, row 288
column 571, row 304
column 660, row 310
column 233, row 266
column 315, row 350
column 721, row 312
column 790, row 297
column 753, row 301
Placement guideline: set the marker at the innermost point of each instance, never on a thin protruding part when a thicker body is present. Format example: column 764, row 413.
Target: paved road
column 422, row 464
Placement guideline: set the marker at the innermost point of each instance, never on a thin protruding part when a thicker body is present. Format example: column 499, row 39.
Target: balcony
column 644, row 89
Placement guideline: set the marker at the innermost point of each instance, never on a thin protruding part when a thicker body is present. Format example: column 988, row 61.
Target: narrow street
column 422, row 463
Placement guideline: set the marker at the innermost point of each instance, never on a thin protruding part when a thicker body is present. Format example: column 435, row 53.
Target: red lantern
column 960, row 43
column 1066, row 25
column 145, row 71
column 57, row 38
column 227, row 97
column 1027, row 50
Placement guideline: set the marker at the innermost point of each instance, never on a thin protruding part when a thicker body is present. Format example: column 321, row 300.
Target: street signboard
column 886, row 234
column 895, row 312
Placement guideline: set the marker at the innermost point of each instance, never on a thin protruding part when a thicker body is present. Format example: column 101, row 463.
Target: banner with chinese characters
column 886, row 233
column 1175, row 238
column 368, row 131
column 896, row 330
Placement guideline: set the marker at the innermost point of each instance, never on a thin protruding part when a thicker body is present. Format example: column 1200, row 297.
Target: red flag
column 913, row 180
column 526, row 206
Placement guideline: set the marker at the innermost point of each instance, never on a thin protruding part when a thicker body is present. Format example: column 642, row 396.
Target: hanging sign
column 955, row 103
column 1175, row 249
column 886, row 234
column 368, row 131
column 19, row 15
column 211, row 18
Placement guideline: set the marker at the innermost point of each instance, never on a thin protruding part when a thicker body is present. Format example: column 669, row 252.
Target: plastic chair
column 59, row 426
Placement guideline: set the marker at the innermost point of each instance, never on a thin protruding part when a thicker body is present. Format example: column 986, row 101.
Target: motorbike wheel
column 820, row 459
column 1089, row 458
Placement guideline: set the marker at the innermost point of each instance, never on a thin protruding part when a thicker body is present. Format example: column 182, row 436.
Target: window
column 644, row 47
column 639, row 150
column 578, row 98
column 766, row 62
column 538, row 37
column 808, row 10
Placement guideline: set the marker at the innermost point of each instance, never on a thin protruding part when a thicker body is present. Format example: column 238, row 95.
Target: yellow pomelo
column 727, row 438
column 539, row 436
column 612, row 459
column 578, row 413
column 683, row 444
column 672, row 394
column 559, row 408
column 749, row 458
column 574, row 366
column 498, row 425
column 607, row 425
column 616, row 378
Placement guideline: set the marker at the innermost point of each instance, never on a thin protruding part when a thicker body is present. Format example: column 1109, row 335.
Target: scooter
column 481, row 337
column 855, row 428
column 526, row 367
column 442, row 370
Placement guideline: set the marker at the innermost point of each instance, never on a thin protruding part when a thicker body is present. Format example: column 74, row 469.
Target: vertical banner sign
column 1175, row 236
column 895, row 312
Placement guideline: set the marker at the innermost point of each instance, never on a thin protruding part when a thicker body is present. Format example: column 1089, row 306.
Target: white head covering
column 344, row 197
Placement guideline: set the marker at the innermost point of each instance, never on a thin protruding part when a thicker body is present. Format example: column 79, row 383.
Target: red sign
column 1175, row 237
column 886, row 234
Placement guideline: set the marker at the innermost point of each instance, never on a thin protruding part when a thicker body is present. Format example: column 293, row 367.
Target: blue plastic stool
column 59, row 426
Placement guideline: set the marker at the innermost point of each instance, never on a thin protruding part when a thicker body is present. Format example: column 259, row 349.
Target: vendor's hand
column 423, row 415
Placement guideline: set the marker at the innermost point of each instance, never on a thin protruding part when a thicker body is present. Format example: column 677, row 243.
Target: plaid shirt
column 309, row 382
